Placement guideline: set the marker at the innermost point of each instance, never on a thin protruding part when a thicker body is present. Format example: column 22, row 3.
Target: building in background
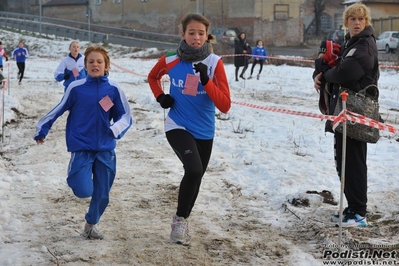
column 277, row 22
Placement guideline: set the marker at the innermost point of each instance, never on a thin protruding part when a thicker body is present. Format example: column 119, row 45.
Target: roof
column 67, row 3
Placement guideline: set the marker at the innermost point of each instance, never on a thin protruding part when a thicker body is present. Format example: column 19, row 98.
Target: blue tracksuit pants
column 91, row 174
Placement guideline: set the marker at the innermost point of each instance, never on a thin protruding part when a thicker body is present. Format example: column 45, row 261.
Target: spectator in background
column 241, row 46
column 2, row 55
column 71, row 67
column 20, row 53
column 259, row 57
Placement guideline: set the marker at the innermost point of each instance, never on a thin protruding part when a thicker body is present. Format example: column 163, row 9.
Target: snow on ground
column 262, row 163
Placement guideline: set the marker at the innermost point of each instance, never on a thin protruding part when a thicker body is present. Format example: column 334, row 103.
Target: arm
column 59, row 73
column 348, row 72
column 218, row 89
column 45, row 123
column 239, row 47
column 121, row 115
column 155, row 76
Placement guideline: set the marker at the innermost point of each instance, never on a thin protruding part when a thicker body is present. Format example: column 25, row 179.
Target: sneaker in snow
column 257, row 76
column 179, row 232
column 335, row 217
column 91, row 232
column 250, row 77
column 354, row 220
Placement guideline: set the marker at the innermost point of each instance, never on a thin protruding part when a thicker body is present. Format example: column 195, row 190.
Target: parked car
column 337, row 36
column 225, row 35
column 388, row 41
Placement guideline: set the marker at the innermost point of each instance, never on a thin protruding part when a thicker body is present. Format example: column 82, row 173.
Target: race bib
column 106, row 103
column 191, row 85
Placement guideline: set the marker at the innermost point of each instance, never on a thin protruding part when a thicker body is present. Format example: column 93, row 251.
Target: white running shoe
column 91, row 232
column 180, row 234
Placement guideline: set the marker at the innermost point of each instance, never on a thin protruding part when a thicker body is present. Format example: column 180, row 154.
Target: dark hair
column 196, row 17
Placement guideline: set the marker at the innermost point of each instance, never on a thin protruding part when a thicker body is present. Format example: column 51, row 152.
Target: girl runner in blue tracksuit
column 92, row 103
column 20, row 54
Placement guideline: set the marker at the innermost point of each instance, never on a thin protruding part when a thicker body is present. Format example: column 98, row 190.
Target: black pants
column 21, row 70
column 355, row 188
column 195, row 155
column 260, row 65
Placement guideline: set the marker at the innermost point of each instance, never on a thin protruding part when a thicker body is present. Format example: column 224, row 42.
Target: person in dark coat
column 241, row 46
column 357, row 67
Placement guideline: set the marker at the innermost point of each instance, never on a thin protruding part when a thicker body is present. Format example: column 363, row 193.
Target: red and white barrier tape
column 351, row 116
column 290, row 58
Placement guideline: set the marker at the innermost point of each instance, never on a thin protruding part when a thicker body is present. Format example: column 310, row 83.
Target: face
column 21, row 44
column 242, row 35
column 195, row 34
column 95, row 64
column 74, row 49
column 356, row 24
column 260, row 43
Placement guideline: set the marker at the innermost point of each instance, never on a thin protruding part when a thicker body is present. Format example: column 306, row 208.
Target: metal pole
column 88, row 20
column 3, row 109
column 222, row 12
column 344, row 96
column 40, row 17
column 123, row 11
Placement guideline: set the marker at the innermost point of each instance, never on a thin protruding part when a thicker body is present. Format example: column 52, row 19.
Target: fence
column 385, row 24
column 84, row 31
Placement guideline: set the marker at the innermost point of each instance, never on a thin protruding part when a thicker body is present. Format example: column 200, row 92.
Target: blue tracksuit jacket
column 88, row 126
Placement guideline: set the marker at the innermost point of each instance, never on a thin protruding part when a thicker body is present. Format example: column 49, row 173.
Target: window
column 116, row 1
column 97, row 2
column 281, row 12
column 325, row 22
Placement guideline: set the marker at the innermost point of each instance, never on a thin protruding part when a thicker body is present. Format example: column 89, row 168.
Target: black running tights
column 195, row 155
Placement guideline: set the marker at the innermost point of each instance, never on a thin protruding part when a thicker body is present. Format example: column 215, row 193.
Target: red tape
column 351, row 116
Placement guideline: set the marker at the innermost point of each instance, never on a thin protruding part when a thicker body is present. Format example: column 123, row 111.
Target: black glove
column 322, row 49
column 165, row 101
column 6, row 59
column 321, row 65
column 203, row 70
column 66, row 76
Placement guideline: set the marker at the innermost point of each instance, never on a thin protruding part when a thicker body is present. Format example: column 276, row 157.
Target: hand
column 39, row 139
column 321, row 65
column 332, row 53
column 165, row 101
column 322, row 49
column 6, row 58
column 317, row 81
column 203, row 70
column 67, row 76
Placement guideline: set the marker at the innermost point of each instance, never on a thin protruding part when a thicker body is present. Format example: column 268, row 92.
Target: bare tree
column 319, row 6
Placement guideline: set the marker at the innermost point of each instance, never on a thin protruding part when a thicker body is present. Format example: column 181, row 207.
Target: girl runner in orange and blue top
column 198, row 84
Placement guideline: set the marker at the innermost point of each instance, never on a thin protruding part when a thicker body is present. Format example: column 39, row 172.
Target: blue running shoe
column 354, row 220
column 335, row 217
